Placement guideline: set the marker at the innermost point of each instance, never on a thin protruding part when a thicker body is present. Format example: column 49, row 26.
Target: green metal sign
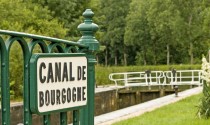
column 58, row 82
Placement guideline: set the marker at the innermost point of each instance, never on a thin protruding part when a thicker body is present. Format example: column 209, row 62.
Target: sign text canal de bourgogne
column 61, row 83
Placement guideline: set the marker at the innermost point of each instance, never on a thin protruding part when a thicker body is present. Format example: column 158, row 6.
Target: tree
column 167, row 26
column 114, row 14
column 192, row 14
column 29, row 18
column 137, row 29
column 68, row 12
column 165, row 21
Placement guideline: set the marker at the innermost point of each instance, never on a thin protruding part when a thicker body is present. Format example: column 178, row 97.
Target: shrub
column 204, row 106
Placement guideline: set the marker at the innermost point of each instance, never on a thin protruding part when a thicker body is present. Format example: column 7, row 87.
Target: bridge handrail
column 153, row 78
column 158, row 78
column 180, row 78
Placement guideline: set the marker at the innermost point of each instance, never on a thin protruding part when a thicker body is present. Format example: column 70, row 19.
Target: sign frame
column 33, row 80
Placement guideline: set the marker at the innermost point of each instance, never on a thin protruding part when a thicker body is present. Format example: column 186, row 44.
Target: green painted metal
column 26, row 55
column 88, row 28
column 38, row 37
column 44, row 48
column 87, row 44
column 75, row 117
column 46, row 120
column 5, row 99
column 63, row 118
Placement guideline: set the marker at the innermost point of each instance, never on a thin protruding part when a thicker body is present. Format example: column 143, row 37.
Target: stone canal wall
column 107, row 99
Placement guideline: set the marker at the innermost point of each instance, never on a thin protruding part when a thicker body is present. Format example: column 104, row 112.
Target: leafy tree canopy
column 30, row 18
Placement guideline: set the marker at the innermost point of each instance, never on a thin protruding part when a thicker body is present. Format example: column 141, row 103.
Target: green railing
column 87, row 44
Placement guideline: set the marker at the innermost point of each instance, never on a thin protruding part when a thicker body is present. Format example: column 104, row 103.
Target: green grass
column 179, row 113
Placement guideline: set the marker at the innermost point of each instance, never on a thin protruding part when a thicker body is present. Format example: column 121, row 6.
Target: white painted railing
column 183, row 77
column 179, row 77
column 138, row 78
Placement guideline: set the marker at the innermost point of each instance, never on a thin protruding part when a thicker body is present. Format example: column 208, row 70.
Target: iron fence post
column 88, row 28
column 5, row 97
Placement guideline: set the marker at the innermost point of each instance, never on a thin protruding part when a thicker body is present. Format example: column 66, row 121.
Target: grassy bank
column 179, row 113
column 102, row 73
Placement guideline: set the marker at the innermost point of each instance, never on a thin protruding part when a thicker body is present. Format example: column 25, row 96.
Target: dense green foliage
column 30, row 18
column 131, row 32
column 155, row 31
column 179, row 113
column 114, row 13
column 68, row 12
column 204, row 106
column 204, row 111
column 102, row 73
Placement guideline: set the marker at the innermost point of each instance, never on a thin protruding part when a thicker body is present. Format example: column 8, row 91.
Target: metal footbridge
column 152, row 78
